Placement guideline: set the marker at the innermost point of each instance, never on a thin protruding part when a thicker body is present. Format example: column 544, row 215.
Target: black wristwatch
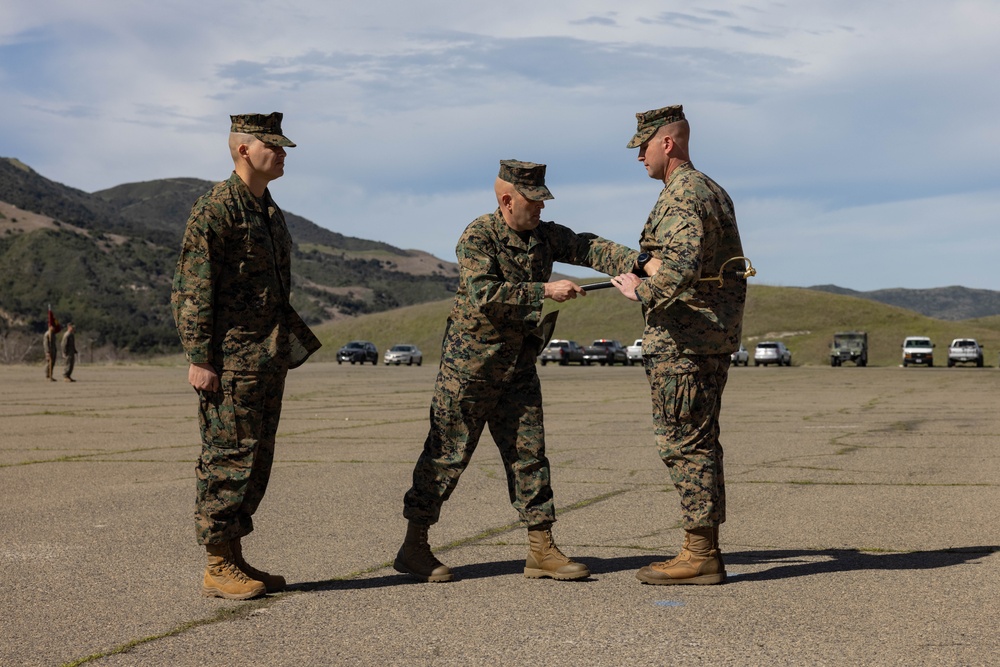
column 641, row 261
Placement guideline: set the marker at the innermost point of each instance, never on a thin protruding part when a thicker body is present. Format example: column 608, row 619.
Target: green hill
column 115, row 289
column 943, row 303
column 106, row 260
column 803, row 319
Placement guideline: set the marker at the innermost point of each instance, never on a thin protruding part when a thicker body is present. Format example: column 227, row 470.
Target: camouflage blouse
column 693, row 230
column 231, row 288
column 490, row 332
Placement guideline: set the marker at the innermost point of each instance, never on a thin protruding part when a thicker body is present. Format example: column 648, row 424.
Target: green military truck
column 849, row 346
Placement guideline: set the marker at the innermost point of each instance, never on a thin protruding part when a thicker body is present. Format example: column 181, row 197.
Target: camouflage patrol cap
column 649, row 122
column 527, row 178
column 267, row 127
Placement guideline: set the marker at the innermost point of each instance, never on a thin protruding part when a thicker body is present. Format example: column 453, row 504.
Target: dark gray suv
column 358, row 351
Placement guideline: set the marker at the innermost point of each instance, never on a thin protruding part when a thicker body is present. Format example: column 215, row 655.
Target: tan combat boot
column 715, row 542
column 415, row 557
column 699, row 562
column 273, row 582
column 224, row 580
column 545, row 559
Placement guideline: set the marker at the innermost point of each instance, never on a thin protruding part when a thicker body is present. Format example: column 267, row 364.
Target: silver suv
column 772, row 353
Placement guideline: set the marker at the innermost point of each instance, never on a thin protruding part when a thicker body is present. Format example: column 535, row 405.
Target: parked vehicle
column 741, row 356
column 918, row 350
column 965, row 351
column 769, row 352
column 634, row 351
column 562, row 352
column 403, row 354
column 358, row 351
column 605, row 351
column 849, row 346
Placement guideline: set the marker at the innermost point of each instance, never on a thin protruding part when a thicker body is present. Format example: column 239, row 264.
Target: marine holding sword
column 694, row 318
column 487, row 374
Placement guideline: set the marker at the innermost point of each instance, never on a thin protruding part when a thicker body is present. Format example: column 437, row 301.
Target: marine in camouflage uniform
column 487, row 374
column 68, row 347
column 692, row 327
column 49, row 345
column 230, row 304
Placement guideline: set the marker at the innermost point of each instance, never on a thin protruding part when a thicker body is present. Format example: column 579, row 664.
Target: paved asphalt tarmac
column 862, row 526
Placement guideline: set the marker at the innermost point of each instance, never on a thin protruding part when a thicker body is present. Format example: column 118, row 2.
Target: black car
column 358, row 351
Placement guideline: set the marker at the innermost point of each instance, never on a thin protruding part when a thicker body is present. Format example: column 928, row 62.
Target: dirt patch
column 420, row 263
column 357, row 291
column 415, row 262
column 775, row 335
column 14, row 220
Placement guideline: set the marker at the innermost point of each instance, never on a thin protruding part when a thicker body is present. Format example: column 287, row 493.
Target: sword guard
column 747, row 272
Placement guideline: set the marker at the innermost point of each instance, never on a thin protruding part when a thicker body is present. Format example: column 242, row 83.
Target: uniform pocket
column 218, row 415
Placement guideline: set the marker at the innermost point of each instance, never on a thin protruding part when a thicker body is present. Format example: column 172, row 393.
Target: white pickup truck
column 634, row 352
column 965, row 351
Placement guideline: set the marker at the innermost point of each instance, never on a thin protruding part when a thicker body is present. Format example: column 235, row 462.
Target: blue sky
column 858, row 140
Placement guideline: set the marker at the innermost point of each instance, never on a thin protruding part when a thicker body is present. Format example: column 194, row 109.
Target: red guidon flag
column 53, row 322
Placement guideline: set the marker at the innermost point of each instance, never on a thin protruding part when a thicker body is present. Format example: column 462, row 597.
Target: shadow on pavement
column 789, row 563
column 845, row 560
column 384, row 581
column 783, row 564
column 472, row 571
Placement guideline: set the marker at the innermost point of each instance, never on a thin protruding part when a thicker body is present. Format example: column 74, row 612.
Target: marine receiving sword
column 747, row 272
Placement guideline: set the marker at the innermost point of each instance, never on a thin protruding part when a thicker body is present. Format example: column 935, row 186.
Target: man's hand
column 652, row 266
column 203, row 377
column 563, row 290
column 627, row 282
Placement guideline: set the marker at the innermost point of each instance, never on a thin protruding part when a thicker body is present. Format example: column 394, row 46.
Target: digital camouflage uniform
column 230, row 304
column 487, row 374
column 692, row 328
column 49, row 344
column 68, row 345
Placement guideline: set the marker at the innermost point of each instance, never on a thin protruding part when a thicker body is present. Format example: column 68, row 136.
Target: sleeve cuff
column 199, row 356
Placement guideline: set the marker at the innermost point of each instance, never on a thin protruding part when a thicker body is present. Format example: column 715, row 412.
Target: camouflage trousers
column 687, row 399
column 238, row 425
column 461, row 407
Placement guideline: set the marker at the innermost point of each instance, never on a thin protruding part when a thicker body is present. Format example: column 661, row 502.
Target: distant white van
column 918, row 350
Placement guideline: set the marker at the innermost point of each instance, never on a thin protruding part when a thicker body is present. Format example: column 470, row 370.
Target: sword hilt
column 747, row 272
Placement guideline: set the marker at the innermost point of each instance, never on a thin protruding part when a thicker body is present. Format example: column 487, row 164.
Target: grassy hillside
column 804, row 319
column 105, row 260
column 945, row 303
column 115, row 290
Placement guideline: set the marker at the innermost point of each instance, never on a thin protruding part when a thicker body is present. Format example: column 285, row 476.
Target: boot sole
column 431, row 579
column 703, row 580
column 535, row 573
column 216, row 593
